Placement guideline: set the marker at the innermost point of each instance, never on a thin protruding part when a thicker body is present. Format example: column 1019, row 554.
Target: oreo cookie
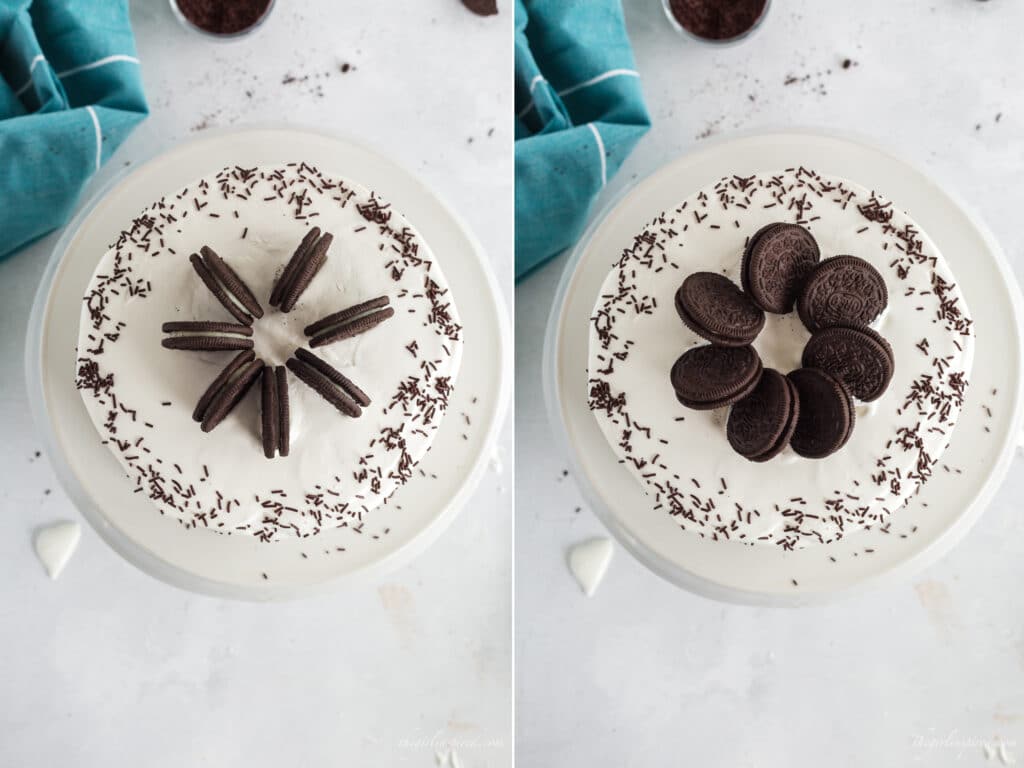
column 269, row 411
column 775, row 265
column 231, row 394
column 349, row 322
column 206, row 336
column 225, row 285
column 284, row 422
column 236, row 364
column 231, row 281
column 845, row 291
column 715, row 308
column 304, row 265
column 826, row 414
column 857, row 356
column 762, row 423
column 328, row 382
column 709, row 377
column 298, row 257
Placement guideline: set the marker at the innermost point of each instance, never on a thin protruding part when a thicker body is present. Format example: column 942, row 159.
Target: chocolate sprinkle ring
column 215, row 288
column 334, row 375
column 223, row 377
column 231, row 395
column 269, row 414
column 231, row 281
column 323, row 387
column 284, row 424
column 289, row 270
column 207, row 343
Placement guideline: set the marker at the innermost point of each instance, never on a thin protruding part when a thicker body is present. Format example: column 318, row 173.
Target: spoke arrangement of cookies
column 233, row 383
column 810, row 409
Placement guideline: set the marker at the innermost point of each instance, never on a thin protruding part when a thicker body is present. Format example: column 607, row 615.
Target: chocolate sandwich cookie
column 284, row 423
column 328, row 382
column 775, row 265
column 234, row 285
column 787, row 432
column 334, row 375
column 309, row 257
column 844, row 290
column 857, row 356
column 762, row 423
column 714, row 307
column 826, row 413
column 204, row 336
column 275, row 419
column 236, row 364
column 233, row 295
column 298, row 257
column 269, row 414
column 349, row 322
column 709, row 377
column 231, row 394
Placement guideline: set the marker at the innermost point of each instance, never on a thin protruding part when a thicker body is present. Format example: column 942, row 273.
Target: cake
column 304, row 310
column 686, row 457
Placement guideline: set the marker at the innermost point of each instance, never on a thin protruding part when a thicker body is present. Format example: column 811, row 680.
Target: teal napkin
column 70, row 92
column 579, row 113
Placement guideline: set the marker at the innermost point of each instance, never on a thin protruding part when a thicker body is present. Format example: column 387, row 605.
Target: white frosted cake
column 683, row 458
column 336, row 463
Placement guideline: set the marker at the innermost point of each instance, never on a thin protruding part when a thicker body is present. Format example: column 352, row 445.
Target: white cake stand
column 925, row 529
column 237, row 566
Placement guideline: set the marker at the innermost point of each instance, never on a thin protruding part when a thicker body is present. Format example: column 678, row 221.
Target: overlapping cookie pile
column 810, row 409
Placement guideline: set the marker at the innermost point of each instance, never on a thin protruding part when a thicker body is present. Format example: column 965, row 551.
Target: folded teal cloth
column 579, row 113
column 70, row 92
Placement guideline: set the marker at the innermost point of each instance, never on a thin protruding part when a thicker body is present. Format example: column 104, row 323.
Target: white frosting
column 588, row 562
column 682, row 456
column 55, row 544
column 339, row 468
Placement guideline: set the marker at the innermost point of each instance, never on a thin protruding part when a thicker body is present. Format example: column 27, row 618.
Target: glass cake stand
column 923, row 530
column 234, row 566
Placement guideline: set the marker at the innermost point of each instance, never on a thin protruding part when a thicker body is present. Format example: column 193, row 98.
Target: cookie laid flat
column 859, row 357
column 826, row 413
column 714, row 307
column 844, row 290
column 775, row 265
column 762, row 423
column 709, row 377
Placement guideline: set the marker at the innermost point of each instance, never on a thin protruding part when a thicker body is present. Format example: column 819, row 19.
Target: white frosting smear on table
column 589, row 561
column 55, row 544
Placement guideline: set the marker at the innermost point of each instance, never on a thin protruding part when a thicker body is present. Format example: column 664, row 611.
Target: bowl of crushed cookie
column 222, row 19
column 717, row 22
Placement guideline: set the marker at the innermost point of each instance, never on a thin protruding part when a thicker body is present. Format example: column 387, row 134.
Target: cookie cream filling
column 140, row 396
column 682, row 457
